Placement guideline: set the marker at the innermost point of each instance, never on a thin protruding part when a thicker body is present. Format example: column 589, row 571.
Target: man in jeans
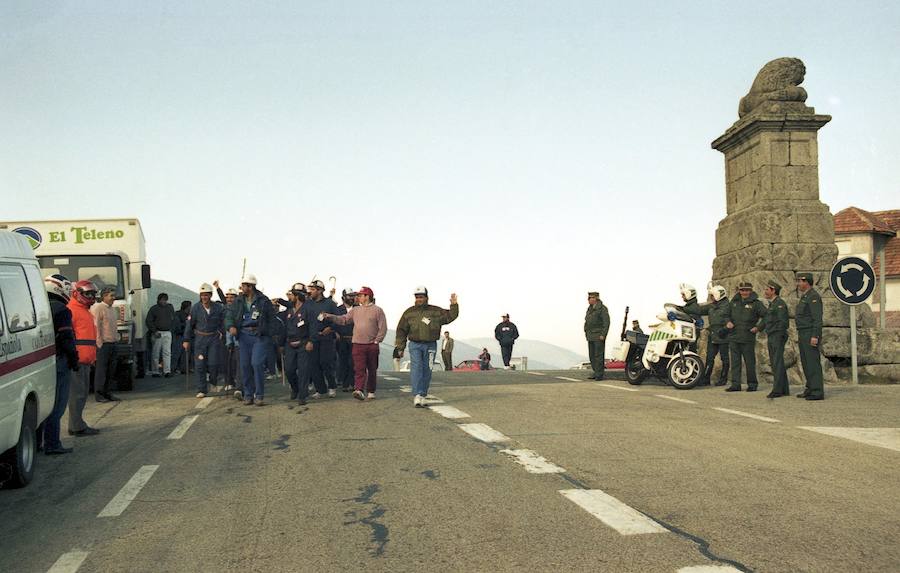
column 106, row 317
column 160, row 321
column 421, row 325
column 59, row 289
column 369, row 329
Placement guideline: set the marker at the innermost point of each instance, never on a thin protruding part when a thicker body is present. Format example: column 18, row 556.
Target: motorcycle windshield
column 679, row 313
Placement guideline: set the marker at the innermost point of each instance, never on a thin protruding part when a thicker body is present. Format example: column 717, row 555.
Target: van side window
column 38, row 293
column 17, row 303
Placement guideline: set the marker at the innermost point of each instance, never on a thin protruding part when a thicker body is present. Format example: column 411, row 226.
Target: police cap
column 808, row 277
column 594, row 294
column 774, row 285
column 745, row 286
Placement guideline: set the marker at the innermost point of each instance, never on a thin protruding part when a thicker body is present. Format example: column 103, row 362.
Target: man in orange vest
column 84, row 294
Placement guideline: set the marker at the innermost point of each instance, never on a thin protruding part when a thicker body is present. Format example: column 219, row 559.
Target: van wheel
column 21, row 457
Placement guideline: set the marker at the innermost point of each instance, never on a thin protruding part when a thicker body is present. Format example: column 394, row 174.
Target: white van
column 27, row 358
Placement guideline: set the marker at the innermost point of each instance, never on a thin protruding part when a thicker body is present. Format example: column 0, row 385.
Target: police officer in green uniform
column 809, row 332
column 745, row 315
column 775, row 326
column 717, row 341
column 596, row 327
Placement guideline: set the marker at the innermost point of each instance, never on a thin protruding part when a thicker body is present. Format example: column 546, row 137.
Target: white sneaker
column 229, row 388
column 238, row 395
column 316, row 396
column 370, row 396
column 506, row 367
column 418, row 401
column 332, row 393
column 200, row 395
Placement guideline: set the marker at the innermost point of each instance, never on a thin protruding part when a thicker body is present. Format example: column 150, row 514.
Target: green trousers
column 812, row 366
column 776, row 344
column 596, row 354
column 745, row 351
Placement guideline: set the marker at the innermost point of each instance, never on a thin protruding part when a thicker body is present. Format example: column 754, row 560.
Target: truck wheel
column 634, row 370
column 685, row 371
column 21, row 457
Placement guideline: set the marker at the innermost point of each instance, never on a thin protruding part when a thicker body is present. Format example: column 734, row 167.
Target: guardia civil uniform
column 745, row 314
column 776, row 325
column 596, row 327
column 717, row 339
column 808, row 318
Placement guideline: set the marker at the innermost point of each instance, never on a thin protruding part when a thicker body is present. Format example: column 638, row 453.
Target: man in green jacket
column 717, row 340
column 775, row 326
column 421, row 324
column 809, row 332
column 596, row 326
column 745, row 313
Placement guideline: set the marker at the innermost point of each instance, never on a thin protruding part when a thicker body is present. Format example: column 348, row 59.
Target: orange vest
column 85, row 332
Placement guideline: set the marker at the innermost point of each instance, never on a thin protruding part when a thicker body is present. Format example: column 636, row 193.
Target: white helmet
column 58, row 286
column 206, row 288
column 421, row 290
column 231, row 291
column 718, row 292
column 249, row 280
column 687, row 291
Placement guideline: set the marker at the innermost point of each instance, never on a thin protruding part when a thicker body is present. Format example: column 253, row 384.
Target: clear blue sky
column 518, row 153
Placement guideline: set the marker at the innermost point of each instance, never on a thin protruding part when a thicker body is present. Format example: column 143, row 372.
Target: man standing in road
column 596, row 327
column 717, row 333
column 160, row 320
column 369, row 329
column 179, row 356
column 447, row 351
column 745, row 314
column 346, row 363
column 321, row 344
column 506, row 334
column 775, row 326
column 59, row 289
column 105, row 317
column 250, row 320
column 84, row 294
column 296, row 335
column 421, row 324
column 808, row 318
column 203, row 330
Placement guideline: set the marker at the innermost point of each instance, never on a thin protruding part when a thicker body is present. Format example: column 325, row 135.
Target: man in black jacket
column 160, row 321
column 59, row 290
column 506, row 334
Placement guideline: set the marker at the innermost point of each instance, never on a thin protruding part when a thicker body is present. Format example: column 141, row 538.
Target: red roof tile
column 892, row 247
column 856, row 220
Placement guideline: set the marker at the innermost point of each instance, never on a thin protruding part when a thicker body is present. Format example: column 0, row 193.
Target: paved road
column 635, row 479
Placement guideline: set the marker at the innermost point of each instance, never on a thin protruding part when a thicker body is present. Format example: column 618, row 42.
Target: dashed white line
column 747, row 415
column 204, row 402
column 483, row 432
column 182, row 427
column 568, row 379
column 684, row 400
column 533, row 463
column 449, row 412
column 69, row 562
column 612, row 512
column 881, row 437
column 406, row 389
column 432, row 399
column 618, row 387
column 391, row 378
column 535, row 373
column 128, row 492
column 709, row 569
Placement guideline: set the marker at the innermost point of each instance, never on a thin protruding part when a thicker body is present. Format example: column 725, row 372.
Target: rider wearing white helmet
column 717, row 341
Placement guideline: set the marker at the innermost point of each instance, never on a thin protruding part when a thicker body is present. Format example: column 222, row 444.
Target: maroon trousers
column 365, row 364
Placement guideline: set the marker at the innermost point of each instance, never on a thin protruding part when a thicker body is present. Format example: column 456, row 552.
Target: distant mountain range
column 541, row 355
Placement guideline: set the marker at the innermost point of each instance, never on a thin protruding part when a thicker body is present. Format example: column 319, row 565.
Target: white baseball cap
column 421, row 290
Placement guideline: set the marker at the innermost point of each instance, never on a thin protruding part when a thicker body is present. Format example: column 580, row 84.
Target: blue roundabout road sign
column 852, row 280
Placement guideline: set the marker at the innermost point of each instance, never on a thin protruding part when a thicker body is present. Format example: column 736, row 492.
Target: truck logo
column 34, row 238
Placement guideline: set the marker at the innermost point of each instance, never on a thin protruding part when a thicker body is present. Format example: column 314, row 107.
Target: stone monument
column 775, row 224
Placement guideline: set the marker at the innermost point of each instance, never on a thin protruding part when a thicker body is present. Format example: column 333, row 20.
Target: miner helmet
column 206, row 288
column 717, row 292
column 85, row 292
column 249, row 280
column 59, row 287
column 687, row 291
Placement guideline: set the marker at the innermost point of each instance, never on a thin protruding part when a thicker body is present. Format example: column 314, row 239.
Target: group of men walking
column 734, row 324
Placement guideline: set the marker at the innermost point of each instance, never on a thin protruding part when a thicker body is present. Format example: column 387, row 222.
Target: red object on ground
column 467, row 365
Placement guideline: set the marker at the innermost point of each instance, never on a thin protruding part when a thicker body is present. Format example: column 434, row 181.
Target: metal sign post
column 852, row 281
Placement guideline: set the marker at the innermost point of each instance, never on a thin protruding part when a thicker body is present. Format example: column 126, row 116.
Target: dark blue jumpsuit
column 321, row 359
column 344, row 351
column 296, row 358
column 253, row 320
column 204, row 330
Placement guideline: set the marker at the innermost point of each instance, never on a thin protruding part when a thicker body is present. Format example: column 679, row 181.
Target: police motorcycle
column 666, row 352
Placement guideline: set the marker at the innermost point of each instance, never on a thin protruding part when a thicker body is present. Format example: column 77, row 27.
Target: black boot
column 707, row 376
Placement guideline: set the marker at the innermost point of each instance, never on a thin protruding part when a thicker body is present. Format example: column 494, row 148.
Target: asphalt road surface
column 505, row 471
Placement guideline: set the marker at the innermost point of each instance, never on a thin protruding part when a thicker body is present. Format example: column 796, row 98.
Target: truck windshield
column 102, row 270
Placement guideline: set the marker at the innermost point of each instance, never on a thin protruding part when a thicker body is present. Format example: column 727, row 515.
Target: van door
column 7, row 404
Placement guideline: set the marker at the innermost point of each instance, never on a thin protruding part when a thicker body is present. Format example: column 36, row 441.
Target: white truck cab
column 27, row 358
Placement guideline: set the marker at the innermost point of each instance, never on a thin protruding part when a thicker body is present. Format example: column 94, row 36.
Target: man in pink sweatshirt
column 369, row 329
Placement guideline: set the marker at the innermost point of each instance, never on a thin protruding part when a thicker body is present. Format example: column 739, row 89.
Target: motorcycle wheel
column 685, row 371
column 634, row 370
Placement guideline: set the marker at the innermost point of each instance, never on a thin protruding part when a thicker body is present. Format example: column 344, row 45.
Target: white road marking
column 617, row 387
column 612, row 512
column 685, row 400
column 533, row 463
column 391, row 378
column 432, row 399
column 406, row 389
column 204, row 402
column 483, row 432
column 881, row 437
column 128, row 492
column 535, row 373
column 69, row 562
column 747, row 415
column 182, row 427
column 449, row 412
column 709, row 569
column 568, row 379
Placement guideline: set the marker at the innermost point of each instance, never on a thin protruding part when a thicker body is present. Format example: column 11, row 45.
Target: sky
column 516, row 153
